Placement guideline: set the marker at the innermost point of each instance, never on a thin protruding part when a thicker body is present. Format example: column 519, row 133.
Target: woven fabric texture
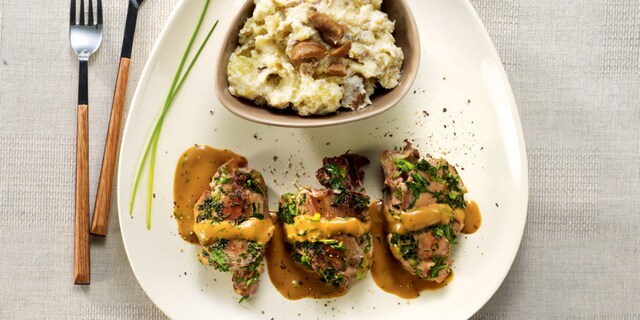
column 574, row 67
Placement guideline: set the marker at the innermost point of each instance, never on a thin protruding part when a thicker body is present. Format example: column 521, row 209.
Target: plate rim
column 521, row 145
column 146, row 73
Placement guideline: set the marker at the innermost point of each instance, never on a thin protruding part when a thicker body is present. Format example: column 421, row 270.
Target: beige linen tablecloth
column 575, row 71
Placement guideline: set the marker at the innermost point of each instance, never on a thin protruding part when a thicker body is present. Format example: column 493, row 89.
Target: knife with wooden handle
column 105, row 185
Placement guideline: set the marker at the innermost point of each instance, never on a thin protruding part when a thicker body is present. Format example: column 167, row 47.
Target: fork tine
column 72, row 12
column 99, row 12
column 81, row 13
column 90, row 15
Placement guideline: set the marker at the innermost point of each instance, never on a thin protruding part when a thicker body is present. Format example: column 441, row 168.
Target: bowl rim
column 283, row 118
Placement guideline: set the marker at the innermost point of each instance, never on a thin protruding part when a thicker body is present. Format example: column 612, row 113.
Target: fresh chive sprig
column 176, row 85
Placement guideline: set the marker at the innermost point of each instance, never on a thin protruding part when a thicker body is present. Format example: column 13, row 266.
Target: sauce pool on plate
column 472, row 218
column 193, row 174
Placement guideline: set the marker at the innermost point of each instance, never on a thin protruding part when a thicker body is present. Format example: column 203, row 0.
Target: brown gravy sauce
column 290, row 279
column 472, row 218
column 253, row 229
column 193, row 174
column 419, row 218
column 305, row 228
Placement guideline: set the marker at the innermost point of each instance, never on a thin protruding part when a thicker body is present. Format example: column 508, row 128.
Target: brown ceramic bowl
column 406, row 35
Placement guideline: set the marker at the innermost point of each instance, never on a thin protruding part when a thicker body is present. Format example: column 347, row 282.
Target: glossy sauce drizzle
column 290, row 279
column 306, row 228
column 258, row 230
column 192, row 177
column 423, row 217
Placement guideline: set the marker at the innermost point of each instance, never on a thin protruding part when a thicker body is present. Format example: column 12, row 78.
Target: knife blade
column 100, row 219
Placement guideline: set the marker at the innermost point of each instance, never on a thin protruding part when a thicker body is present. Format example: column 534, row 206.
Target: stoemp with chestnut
column 315, row 57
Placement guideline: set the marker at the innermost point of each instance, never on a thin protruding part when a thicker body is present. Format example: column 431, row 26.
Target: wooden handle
column 103, row 196
column 81, row 241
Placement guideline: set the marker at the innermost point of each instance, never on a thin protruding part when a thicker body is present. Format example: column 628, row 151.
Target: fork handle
column 81, row 240
column 83, row 83
column 103, row 196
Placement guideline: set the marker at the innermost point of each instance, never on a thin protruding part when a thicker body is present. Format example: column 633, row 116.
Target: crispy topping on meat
column 413, row 182
column 343, row 172
column 327, row 203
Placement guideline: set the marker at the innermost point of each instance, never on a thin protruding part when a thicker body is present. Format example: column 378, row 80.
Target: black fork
column 85, row 40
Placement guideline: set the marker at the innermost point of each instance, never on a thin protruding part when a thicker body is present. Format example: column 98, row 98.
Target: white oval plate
column 459, row 64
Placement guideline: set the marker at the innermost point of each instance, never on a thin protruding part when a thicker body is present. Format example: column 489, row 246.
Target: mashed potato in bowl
column 315, row 56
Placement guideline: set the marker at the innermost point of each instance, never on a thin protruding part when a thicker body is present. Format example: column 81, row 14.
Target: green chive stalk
column 176, row 84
